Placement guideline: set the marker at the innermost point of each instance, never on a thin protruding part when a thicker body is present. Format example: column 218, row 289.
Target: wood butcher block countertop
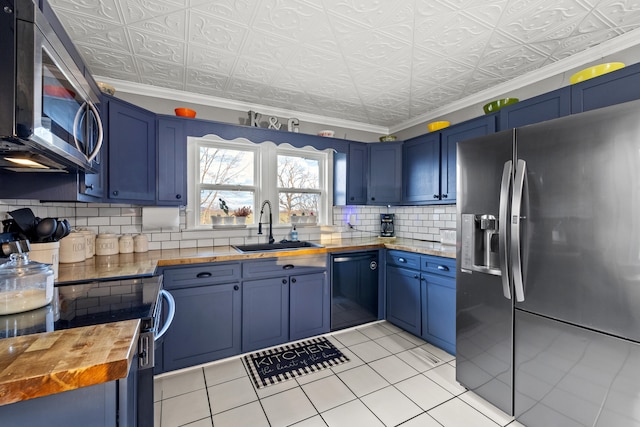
column 133, row 265
column 52, row 362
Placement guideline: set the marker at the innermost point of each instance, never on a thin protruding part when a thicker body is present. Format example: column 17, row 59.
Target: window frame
column 265, row 184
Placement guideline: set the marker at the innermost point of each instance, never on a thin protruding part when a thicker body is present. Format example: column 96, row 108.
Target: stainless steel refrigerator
column 548, row 279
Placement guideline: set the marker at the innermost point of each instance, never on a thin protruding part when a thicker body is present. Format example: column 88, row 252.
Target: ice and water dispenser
column 480, row 249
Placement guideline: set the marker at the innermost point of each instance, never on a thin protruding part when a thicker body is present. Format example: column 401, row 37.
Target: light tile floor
column 393, row 378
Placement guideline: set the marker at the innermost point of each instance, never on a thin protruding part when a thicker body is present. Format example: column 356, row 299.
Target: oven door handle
column 171, row 304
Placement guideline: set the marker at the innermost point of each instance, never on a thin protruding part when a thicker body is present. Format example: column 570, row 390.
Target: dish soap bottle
column 294, row 234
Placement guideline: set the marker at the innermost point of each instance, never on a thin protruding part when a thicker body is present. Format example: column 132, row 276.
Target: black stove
column 88, row 304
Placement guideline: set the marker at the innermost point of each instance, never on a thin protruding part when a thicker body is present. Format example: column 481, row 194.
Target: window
column 242, row 173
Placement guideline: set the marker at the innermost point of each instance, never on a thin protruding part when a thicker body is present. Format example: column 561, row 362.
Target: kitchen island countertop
column 52, row 362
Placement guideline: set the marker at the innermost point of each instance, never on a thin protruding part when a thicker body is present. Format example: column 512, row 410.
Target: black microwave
column 49, row 113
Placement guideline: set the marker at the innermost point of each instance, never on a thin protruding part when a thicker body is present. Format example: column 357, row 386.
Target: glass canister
column 24, row 284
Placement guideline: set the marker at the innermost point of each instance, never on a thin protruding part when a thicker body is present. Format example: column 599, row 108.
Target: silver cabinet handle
column 516, row 206
column 503, row 220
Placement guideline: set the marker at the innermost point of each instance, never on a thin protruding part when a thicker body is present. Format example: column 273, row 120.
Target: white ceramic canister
column 72, row 248
column 46, row 253
column 125, row 244
column 107, row 244
column 89, row 243
column 140, row 243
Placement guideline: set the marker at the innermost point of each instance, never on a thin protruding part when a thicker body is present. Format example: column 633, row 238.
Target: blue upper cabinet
column 357, row 163
column 385, row 173
column 132, row 153
column 538, row 109
column 474, row 128
column 172, row 161
column 619, row 86
column 421, row 169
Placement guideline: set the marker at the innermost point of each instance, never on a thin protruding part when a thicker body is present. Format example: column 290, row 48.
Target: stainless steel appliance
column 49, row 118
column 83, row 304
column 386, row 225
column 548, row 279
column 354, row 289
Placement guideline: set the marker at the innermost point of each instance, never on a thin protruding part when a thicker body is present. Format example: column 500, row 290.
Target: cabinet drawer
column 403, row 259
column 205, row 274
column 438, row 265
column 283, row 266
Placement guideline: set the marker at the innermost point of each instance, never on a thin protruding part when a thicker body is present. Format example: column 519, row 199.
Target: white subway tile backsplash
column 418, row 222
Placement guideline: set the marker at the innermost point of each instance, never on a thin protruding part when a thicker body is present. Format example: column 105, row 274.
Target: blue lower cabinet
column 265, row 312
column 206, row 326
column 439, row 313
column 403, row 299
column 309, row 305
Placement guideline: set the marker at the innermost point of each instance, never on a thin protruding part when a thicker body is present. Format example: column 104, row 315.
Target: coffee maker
column 386, row 225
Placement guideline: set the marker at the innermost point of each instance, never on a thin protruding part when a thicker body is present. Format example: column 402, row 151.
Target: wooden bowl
column 185, row 112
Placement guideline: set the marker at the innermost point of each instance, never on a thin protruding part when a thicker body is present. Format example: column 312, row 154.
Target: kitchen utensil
column 185, row 112
column 595, row 71
column 434, row 126
column 45, row 229
column 62, row 230
column 24, row 284
column 72, row 248
column 24, row 218
column 494, row 106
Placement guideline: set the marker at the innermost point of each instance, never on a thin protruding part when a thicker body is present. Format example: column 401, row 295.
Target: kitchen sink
column 279, row 246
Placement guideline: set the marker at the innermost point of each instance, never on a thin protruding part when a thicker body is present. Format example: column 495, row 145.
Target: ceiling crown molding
column 559, row 68
column 230, row 104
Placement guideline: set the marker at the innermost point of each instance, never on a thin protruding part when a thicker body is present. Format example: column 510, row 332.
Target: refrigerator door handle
column 503, row 220
column 516, row 256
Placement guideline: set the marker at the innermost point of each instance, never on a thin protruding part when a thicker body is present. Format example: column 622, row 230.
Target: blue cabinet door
column 403, row 299
column 309, row 304
column 439, row 311
column 450, row 137
column 172, row 162
column 385, row 173
column 538, row 109
column 421, row 169
column 357, row 163
column 206, row 326
column 132, row 153
column 619, row 86
column 265, row 312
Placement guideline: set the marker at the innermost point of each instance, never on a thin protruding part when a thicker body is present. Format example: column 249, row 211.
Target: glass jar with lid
column 24, row 284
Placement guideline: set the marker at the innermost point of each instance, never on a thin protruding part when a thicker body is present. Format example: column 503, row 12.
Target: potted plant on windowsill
column 217, row 219
column 241, row 214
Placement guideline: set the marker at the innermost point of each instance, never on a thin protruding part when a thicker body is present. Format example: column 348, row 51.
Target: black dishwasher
column 354, row 289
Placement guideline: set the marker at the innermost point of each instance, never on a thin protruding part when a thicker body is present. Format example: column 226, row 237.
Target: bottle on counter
column 294, row 234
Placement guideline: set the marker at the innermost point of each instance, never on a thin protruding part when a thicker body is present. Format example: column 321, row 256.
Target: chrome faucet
column 271, row 239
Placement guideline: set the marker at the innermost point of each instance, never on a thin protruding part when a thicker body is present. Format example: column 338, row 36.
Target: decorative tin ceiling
column 379, row 62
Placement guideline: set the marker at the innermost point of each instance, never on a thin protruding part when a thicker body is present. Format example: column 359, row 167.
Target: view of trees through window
column 229, row 173
column 226, row 175
column 298, row 186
